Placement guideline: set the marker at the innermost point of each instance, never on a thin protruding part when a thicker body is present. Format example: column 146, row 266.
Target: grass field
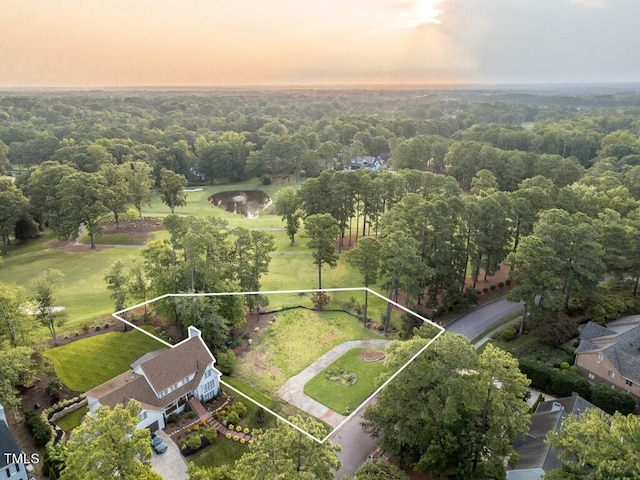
column 71, row 421
column 342, row 397
column 86, row 363
column 198, row 205
column 82, row 291
column 294, row 341
column 223, row 452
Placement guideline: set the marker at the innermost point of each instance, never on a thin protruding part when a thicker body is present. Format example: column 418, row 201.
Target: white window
column 599, row 357
column 208, row 372
column 611, row 374
column 591, row 376
column 143, row 415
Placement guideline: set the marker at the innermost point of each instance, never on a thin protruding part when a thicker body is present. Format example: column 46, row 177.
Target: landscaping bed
column 347, row 382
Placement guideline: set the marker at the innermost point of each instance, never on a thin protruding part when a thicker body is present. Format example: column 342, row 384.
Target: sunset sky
column 106, row 43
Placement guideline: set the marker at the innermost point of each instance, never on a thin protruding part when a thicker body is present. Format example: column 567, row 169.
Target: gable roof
column 619, row 343
column 533, row 452
column 7, row 444
column 156, row 371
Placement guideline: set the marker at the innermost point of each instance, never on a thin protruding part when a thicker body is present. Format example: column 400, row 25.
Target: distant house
column 611, row 355
column 535, row 457
column 10, row 454
column 162, row 381
column 372, row 164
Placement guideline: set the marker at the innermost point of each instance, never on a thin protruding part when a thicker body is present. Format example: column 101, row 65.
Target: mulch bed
column 372, row 355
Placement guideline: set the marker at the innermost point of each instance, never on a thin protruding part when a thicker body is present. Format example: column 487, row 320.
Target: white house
column 162, row 381
column 11, row 457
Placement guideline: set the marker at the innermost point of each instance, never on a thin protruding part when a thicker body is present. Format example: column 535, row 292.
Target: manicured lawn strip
column 86, row 363
column 223, row 452
column 341, row 397
column 248, row 390
column 71, row 421
column 295, row 340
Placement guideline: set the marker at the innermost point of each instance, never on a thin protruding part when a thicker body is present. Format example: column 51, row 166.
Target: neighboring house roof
column 619, row 343
column 534, row 455
column 156, row 371
column 7, row 444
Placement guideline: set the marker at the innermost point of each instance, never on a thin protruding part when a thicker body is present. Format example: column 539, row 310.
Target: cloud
column 589, row 3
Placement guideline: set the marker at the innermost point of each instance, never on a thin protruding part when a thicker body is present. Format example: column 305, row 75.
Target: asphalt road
column 483, row 318
column 356, row 444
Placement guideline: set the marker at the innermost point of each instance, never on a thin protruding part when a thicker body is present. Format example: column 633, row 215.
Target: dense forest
column 426, row 191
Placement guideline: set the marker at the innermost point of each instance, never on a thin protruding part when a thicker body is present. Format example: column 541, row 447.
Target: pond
column 248, row 203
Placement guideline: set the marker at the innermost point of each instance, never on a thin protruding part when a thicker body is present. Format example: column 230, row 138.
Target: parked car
column 157, row 444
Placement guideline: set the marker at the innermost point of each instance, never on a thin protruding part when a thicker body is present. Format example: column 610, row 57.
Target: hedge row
column 562, row 383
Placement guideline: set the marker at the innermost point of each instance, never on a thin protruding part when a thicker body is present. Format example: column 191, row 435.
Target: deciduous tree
column 288, row 207
column 172, row 189
column 365, row 257
column 15, row 323
column 109, row 445
column 322, row 230
column 287, row 454
column 451, row 411
column 42, row 294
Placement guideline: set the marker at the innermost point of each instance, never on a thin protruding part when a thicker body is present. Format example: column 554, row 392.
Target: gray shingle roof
column 7, row 444
column 621, row 349
column 162, row 368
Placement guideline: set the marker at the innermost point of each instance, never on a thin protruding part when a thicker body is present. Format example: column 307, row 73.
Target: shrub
column 203, row 422
column 196, row 427
column 564, row 366
column 210, row 434
column 320, row 300
column 171, row 419
column 228, row 435
column 265, row 180
column 240, row 408
column 243, row 441
column 86, row 327
column 40, row 429
column 485, row 290
column 611, row 399
column 194, row 442
column 500, row 284
column 260, row 415
column 106, row 325
column 507, row 282
column 226, row 361
column 238, row 428
column 246, row 431
column 508, row 334
column 191, row 415
column 236, row 438
column 231, row 426
column 492, row 287
column 97, row 328
column 188, row 430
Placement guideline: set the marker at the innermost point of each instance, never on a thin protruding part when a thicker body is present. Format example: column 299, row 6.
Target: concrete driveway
column 170, row 464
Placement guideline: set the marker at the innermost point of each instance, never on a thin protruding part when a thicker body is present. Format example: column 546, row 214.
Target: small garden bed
column 357, row 380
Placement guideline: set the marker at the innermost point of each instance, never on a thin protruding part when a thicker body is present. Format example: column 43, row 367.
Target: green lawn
column 223, row 452
column 341, row 397
column 86, row 363
column 82, row 291
column 295, row 340
column 197, row 204
column 71, row 421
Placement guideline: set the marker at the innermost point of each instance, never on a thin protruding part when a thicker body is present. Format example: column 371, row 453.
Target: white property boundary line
column 274, row 292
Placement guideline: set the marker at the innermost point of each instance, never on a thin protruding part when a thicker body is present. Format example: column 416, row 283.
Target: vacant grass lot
column 86, row 363
column 295, row 340
column 344, row 398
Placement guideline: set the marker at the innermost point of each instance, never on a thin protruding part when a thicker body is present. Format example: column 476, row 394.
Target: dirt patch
column 373, row 355
column 132, row 226
column 72, row 247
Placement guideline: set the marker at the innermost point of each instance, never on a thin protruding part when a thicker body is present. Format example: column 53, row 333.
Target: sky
column 120, row 43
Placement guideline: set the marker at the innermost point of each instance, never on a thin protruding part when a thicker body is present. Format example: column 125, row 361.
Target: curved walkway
column 292, row 390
